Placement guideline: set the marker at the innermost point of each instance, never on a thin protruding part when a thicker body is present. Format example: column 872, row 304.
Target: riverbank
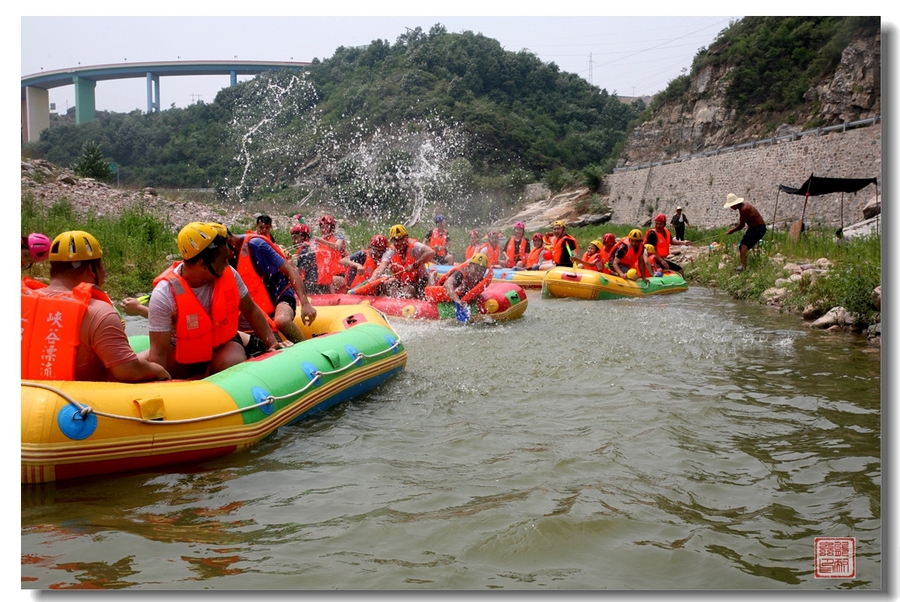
column 829, row 284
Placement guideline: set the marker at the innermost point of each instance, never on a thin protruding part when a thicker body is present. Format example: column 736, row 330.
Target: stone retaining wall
column 701, row 185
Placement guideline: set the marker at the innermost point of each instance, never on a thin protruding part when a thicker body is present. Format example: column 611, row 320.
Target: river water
column 678, row 442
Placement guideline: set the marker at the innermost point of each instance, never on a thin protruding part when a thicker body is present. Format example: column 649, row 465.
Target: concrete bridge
column 36, row 98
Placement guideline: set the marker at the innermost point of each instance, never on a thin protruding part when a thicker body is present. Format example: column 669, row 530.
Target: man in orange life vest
column 70, row 329
column 461, row 282
column 273, row 282
column 661, row 239
column 492, row 249
column 196, row 306
column 517, row 248
column 406, row 259
column 628, row 258
column 564, row 245
column 439, row 240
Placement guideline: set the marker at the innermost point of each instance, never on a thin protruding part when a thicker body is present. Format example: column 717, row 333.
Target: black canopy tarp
column 816, row 186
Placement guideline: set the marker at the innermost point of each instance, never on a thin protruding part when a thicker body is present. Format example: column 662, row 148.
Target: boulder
column 876, row 298
column 836, row 316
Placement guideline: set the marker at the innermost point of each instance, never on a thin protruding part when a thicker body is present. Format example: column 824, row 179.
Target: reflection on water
column 675, row 442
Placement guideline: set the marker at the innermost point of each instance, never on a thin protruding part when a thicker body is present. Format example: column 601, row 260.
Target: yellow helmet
column 559, row 222
column 398, row 231
column 194, row 238
column 636, row 234
column 597, row 244
column 75, row 245
column 650, row 248
column 479, row 259
column 219, row 228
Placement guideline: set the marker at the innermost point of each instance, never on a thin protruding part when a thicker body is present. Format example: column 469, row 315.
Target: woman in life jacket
column 439, row 240
column 474, row 244
column 591, row 258
column 492, row 249
column 517, row 248
column 330, row 249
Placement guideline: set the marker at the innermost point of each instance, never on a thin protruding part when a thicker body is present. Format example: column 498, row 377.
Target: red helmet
column 538, row 237
column 301, row 228
column 473, row 233
column 661, row 217
column 327, row 220
column 38, row 246
column 378, row 242
column 609, row 238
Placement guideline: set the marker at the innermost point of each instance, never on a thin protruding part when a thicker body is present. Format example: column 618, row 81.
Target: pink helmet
column 38, row 246
column 519, row 225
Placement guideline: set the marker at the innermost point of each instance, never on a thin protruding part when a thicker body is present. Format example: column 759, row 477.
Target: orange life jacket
column 471, row 249
column 605, row 257
column 632, row 257
column 437, row 293
column 493, row 254
column 328, row 261
column 254, row 282
column 198, row 333
column 662, row 241
column 564, row 241
column 400, row 262
column 438, row 241
column 364, row 274
column 592, row 257
column 166, row 273
column 51, row 328
column 514, row 254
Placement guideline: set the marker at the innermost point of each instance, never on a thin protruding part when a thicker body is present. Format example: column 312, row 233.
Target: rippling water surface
column 678, row 442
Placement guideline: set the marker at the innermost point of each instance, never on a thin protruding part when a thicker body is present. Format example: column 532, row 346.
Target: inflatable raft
column 73, row 429
column 524, row 278
column 500, row 302
column 589, row 284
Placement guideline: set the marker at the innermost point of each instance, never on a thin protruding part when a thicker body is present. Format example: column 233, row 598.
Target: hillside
column 762, row 77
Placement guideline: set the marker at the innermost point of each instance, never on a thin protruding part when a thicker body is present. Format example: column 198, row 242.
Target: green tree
column 91, row 164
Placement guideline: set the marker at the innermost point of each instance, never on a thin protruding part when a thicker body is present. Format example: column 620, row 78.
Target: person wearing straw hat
column 750, row 217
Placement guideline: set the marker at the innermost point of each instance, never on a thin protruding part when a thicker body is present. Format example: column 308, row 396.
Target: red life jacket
column 255, row 285
column 438, row 241
column 51, row 328
column 605, row 258
column 514, row 254
column 198, row 333
column 328, row 261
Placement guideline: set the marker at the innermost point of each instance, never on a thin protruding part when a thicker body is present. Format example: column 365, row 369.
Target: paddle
column 463, row 313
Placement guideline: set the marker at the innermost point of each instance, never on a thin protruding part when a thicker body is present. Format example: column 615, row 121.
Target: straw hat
column 733, row 200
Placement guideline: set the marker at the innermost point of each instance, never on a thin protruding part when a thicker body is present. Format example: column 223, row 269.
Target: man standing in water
column 756, row 226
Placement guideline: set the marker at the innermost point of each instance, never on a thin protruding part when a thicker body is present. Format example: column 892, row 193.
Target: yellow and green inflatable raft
column 74, row 429
column 590, row 284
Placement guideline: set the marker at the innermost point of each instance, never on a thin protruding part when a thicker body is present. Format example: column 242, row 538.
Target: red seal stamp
column 835, row 557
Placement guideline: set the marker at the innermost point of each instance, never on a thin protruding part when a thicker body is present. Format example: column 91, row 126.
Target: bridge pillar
column 152, row 99
column 85, row 102
column 233, row 77
column 35, row 113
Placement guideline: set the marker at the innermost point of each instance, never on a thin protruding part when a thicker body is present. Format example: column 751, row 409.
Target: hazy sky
column 628, row 55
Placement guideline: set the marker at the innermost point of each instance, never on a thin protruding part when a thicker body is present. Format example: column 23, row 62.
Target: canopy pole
column 775, row 213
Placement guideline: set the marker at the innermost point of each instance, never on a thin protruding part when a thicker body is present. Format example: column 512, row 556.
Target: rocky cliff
column 699, row 120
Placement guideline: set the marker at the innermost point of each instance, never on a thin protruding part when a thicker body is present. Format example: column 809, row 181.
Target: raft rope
column 84, row 411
